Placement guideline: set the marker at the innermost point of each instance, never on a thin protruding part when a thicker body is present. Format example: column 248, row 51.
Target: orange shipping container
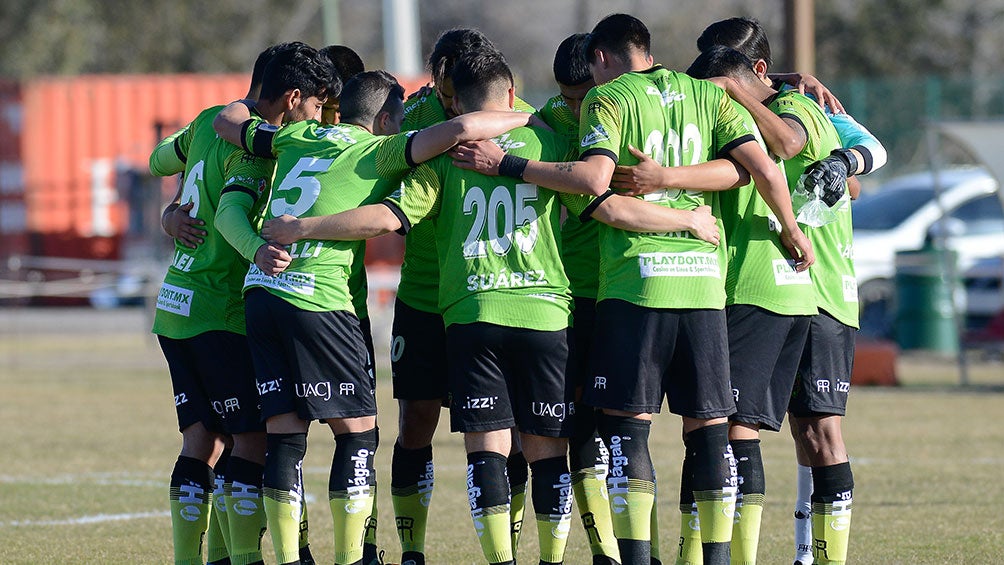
column 78, row 132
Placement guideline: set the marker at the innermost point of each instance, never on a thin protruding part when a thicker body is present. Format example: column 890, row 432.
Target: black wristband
column 848, row 158
column 512, row 166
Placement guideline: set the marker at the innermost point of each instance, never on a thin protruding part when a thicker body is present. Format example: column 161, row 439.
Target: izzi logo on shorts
column 481, row 402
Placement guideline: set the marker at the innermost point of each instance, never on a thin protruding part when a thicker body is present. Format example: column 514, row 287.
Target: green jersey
column 323, row 170
column 259, row 141
column 760, row 271
column 498, row 256
column 676, row 120
column 580, row 244
column 833, row 273
column 202, row 288
column 419, row 286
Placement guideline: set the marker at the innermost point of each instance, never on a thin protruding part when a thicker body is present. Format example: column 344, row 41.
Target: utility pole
column 800, row 35
column 330, row 22
column 401, row 39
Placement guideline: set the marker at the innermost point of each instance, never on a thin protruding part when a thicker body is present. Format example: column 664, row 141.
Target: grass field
column 88, row 438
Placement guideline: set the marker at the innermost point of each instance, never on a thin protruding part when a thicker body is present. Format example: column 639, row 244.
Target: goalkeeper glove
column 828, row 177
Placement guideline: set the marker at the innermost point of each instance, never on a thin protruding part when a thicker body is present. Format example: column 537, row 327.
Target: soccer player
column 348, row 64
column 200, row 325
column 309, row 352
column 748, row 37
column 580, row 255
column 796, row 129
column 418, row 352
column 507, row 315
column 668, row 284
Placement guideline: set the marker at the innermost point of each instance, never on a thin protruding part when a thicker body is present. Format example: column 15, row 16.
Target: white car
column 903, row 215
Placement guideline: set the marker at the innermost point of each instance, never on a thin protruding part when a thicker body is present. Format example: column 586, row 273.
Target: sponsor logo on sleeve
column 596, row 135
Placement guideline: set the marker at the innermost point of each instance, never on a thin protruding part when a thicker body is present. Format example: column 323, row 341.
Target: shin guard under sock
column 631, row 486
column 218, row 536
column 518, row 472
column 832, row 495
column 191, row 495
column 350, row 492
column 412, row 478
column 488, row 496
column 714, row 489
column 749, row 501
column 552, row 505
column 246, row 510
column 589, row 464
column 282, row 493
column 690, row 551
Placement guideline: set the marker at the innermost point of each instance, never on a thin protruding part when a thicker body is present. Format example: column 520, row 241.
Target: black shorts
column 640, row 354
column 764, row 351
column 823, row 380
column 367, row 329
column 418, row 354
column 213, row 380
column 310, row 363
column 581, row 340
column 502, row 377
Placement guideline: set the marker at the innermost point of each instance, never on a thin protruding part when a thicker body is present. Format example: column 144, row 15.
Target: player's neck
column 271, row 111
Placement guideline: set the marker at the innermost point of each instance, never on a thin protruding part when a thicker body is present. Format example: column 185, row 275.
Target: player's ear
column 512, row 97
column 760, row 68
column 292, row 98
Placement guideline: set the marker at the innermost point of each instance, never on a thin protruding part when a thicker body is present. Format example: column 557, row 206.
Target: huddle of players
column 502, row 316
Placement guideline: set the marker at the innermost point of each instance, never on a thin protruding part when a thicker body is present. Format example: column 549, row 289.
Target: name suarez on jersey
column 505, row 278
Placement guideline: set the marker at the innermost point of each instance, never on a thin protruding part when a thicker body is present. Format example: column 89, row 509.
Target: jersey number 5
column 299, row 189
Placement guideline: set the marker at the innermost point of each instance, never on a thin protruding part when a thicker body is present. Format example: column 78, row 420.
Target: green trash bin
column 925, row 318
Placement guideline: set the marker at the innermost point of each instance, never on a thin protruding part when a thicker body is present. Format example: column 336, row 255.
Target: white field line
column 84, row 520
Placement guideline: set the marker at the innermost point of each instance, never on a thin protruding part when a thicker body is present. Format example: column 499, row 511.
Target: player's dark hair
column 258, row 73
column 618, row 34
column 451, row 46
column 302, row 67
column 346, row 61
column 570, row 65
column 480, row 77
column 369, row 93
column 719, row 61
column 745, row 35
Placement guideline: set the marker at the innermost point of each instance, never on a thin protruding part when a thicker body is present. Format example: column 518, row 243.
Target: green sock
column 832, row 495
column 831, row 525
column 590, row 488
column 245, row 511
column 282, row 493
column 351, row 492
column 282, row 510
column 654, row 528
column 552, row 497
column 304, row 538
column 218, row 536
column 517, row 471
column 370, row 556
column 412, row 481
column 691, row 552
column 749, row 501
column 191, row 495
column 746, row 530
column 714, row 481
column 489, row 502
